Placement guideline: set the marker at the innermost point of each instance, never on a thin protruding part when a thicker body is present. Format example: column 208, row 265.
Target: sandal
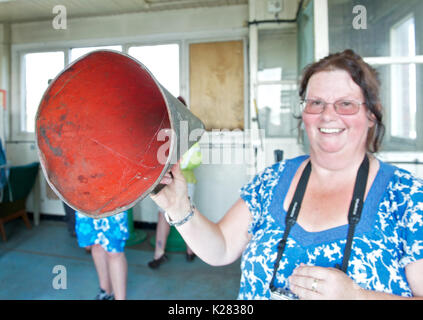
column 190, row 256
column 154, row 264
column 103, row 295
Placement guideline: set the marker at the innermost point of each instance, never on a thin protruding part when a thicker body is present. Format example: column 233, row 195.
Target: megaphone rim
column 171, row 147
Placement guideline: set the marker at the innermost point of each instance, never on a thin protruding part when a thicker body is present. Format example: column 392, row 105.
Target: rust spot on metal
column 56, row 151
column 58, row 129
column 82, row 179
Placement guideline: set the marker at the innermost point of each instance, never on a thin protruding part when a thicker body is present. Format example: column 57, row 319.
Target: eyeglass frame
column 304, row 102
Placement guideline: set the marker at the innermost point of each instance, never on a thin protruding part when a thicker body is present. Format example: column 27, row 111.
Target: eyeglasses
column 342, row 107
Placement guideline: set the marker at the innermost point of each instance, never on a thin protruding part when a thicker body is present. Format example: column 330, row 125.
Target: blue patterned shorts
column 110, row 232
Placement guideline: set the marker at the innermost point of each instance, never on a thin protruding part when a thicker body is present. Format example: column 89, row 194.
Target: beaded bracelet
column 183, row 220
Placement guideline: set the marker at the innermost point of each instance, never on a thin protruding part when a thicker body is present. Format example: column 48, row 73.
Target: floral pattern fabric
column 388, row 237
column 110, row 232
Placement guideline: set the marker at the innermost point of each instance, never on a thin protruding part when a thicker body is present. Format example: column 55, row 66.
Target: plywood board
column 217, row 84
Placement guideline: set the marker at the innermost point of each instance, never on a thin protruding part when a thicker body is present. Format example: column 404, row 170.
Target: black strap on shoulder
column 356, row 206
column 292, row 215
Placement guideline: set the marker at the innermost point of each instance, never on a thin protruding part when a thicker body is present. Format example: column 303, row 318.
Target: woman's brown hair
column 365, row 77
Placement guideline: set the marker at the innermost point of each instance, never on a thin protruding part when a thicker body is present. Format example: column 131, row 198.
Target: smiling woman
column 332, row 225
column 362, row 78
column 330, row 132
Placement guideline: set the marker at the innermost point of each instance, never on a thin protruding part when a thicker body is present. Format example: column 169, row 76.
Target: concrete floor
column 28, row 258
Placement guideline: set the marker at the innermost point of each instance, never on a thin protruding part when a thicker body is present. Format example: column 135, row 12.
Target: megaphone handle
column 160, row 186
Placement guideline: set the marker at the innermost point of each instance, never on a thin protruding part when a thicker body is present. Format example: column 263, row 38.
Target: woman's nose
column 329, row 112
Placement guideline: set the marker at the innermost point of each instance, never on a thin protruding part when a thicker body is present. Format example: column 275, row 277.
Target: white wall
column 132, row 27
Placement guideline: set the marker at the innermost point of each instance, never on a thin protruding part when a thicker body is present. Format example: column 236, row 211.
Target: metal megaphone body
column 107, row 131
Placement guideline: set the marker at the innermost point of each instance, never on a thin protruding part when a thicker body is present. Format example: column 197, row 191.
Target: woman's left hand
column 310, row 282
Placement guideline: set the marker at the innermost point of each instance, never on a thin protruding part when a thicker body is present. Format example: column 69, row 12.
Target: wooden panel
column 217, row 84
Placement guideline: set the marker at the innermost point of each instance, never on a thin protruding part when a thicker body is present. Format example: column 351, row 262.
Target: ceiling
column 12, row 11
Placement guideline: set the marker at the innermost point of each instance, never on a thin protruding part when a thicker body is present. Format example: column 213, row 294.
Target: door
column 217, row 84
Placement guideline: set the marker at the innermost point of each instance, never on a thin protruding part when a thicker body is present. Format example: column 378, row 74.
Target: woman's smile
column 331, row 131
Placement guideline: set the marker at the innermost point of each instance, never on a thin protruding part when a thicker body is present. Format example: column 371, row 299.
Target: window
column 162, row 61
column 392, row 44
column 403, row 88
column 40, row 67
column 277, row 103
column 277, row 82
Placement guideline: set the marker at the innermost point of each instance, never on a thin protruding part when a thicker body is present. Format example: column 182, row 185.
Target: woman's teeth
column 330, row 130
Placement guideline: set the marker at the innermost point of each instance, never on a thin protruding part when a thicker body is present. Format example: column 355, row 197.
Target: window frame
column 393, row 143
column 22, row 114
column 292, row 84
column 18, row 89
column 396, row 141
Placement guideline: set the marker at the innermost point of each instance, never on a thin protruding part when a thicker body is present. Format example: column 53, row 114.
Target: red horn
column 97, row 133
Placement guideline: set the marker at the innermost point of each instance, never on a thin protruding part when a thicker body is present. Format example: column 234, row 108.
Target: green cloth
column 190, row 160
column 21, row 180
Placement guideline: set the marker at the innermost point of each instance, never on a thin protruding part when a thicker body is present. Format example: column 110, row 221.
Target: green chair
column 13, row 205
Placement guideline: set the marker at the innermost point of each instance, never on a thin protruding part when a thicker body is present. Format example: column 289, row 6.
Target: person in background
column 107, row 238
column 191, row 159
column 70, row 219
column 335, row 224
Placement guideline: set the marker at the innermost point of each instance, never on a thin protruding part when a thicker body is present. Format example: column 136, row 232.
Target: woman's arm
column 414, row 274
column 215, row 243
column 221, row 243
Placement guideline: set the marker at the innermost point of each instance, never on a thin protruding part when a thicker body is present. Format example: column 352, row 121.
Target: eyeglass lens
column 344, row 107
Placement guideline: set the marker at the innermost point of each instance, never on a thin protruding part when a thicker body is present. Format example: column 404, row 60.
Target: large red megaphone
column 101, row 131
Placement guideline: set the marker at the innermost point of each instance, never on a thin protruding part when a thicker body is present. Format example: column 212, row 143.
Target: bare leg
column 162, row 232
column 100, row 261
column 118, row 268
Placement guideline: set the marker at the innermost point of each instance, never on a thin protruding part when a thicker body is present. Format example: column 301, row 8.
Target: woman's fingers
column 176, row 171
column 167, row 178
column 173, row 188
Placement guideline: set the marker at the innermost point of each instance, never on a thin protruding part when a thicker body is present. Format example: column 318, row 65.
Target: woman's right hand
column 174, row 197
column 215, row 243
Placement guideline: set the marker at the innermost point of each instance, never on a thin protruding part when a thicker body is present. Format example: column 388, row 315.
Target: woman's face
column 329, row 132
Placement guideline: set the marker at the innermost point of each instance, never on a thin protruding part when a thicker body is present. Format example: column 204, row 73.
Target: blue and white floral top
column 388, row 237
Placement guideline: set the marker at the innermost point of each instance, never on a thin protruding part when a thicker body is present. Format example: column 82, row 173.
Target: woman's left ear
column 372, row 119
